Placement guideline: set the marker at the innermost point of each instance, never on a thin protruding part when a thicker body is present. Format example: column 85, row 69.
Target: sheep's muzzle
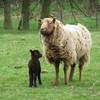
column 45, row 33
column 42, row 31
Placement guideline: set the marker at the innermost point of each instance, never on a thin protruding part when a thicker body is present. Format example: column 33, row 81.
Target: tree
column 7, row 14
column 25, row 14
column 90, row 4
column 24, row 22
column 96, row 4
column 1, row 4
column 60, row 9
column 45, row 9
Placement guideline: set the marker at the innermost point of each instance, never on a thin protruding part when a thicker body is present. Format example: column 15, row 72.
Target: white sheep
column 68, row 43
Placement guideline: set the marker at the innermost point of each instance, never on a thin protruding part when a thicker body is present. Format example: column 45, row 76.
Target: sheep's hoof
column 55, row 84
column 66, row 84
column 40, row 83
column 79, row 81
column 70, row 80
column 30, row 86
column 35, row 86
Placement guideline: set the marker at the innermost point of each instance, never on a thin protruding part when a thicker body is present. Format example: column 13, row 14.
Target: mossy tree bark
column 25, row 14
column 45, row 9
column 7, row 14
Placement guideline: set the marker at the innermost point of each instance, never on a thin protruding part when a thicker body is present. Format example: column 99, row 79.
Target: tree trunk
column 61, row 16
column 91, row 4
column 1, row 4
column 59, row 6
column 83, row 4
column 7, row 14
column 25, row 14
column 45, row 9
column 96, row 4
column 96, row 19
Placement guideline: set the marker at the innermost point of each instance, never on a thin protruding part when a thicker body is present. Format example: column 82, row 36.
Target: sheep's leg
column 72, row 72
column 30, row 79
column 35, row 80
column 39, row 79
column 80, row 71
column 57, row 73
column 65, row 74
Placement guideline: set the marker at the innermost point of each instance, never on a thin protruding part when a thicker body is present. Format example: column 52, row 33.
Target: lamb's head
column 47, row 26
column 35, row 54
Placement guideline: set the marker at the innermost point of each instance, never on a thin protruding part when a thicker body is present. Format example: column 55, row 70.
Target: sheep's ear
column 54, row 19
column 39, row 20
column 30, row 51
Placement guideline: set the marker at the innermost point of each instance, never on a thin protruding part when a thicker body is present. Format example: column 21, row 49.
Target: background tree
column 97, row 7
column 1, row 4
column 25, row 14
column 45, row 12
column 60, row 6
column 41, row 9
column 24, row 22
column 45, row 9
column 7, row 14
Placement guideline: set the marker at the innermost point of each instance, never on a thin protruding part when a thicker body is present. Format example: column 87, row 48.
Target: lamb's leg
column 65, row 74
column 39, row 79
column 57, row 73
column 30, row 79
column 80, row 71
column 72, row 72
column 35, row 80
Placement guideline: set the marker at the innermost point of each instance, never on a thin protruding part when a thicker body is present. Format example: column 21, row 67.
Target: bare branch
column 59, row 4
column 60, row 9
column 82, row 10
column 72, row 11
column 36, row 5
column 92, row 87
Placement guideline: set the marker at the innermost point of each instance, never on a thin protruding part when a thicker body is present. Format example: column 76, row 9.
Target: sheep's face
column 47, row 26
column 35, row 54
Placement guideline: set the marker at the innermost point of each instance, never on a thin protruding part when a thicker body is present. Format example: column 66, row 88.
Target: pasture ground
column 14, row 51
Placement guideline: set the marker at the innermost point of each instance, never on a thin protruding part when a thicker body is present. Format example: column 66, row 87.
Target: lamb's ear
column 54, row 19
column 39, row 20
column 31, row 51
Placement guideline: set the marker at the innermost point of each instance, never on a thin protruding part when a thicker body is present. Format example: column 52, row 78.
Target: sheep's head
column 35, row 54
column 47, row 26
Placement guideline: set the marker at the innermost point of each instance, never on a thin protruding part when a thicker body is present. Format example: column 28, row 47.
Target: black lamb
column 34, row 68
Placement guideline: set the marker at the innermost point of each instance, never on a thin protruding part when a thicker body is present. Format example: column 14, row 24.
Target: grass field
column 14, row 51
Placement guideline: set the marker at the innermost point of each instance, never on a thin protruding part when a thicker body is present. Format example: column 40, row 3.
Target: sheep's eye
column 35, row 53
column 50, row 23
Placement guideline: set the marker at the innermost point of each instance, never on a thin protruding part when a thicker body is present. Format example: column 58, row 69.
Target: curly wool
column 68, row 43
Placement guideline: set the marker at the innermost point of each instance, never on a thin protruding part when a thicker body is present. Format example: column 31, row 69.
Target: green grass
column 68, row 19
column 14, row 51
